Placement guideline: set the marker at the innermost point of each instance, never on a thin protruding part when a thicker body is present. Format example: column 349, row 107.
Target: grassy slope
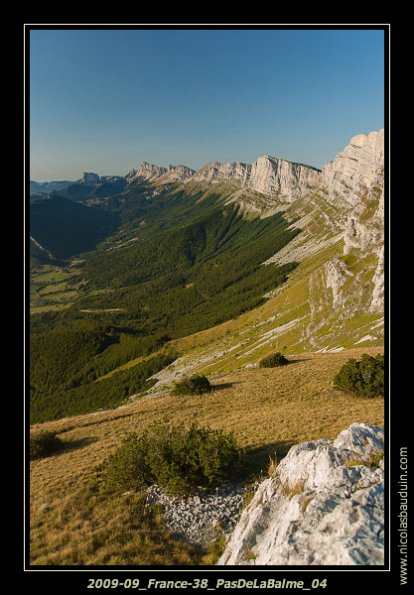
column 304, row 303
column 243, row 341
column 268, row 409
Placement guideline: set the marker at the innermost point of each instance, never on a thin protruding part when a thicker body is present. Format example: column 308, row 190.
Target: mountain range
column 203, row 271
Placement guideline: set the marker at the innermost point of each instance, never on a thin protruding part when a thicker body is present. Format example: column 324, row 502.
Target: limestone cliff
column 151, row 173
column 273, row 177
column 146, row 171
column 286, row 180
column 336, row 294
column 356, row 169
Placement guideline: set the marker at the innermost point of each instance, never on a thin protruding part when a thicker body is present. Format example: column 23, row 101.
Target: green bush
column 177, row 459
column 196, row 385
column 363, row 378
column 273, row 361
column 44, row 444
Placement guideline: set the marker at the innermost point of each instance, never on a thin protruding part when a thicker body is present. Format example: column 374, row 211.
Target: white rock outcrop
column 325, row 506
column 177, row 173
column 336, row 274
column 150, row 173
column 268, row 175
column 146, row 171
column 218, row 172
column 356, row 168
column 278, row 177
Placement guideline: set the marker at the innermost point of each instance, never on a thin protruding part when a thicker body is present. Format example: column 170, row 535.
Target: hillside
column 269, row 410
column 65, row 228
column 202, row 271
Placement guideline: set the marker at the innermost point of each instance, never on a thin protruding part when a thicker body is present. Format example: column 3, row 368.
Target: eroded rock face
column 146, row 171
column 277, row 177
column 356, row 168
column 267, row 175
column 324, row 507
column 178, row 173
column 216, row 172
column 151, row 173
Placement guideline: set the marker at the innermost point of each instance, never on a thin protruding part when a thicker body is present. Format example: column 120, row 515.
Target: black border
column 51, row 577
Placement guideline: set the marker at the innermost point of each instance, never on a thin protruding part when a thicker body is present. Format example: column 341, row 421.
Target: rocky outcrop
column 218, row 172
column 325, row 506
column 267, row 175
column 176, row 173
column 284, row 179
column 90, row 179
column 356, row 168
column 377, row 300
column 148, row 172
column 353, row 170
column 336, row 274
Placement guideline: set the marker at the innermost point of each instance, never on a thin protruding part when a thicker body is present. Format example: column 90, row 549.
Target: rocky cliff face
column 286, row 180
column 146, row 171
column 356, row 169
column 272, row 177
column 325, row 506
column 217, row 172
column 151, row 173
column 177, row 173
column 267, row 175
column 355, row 181
column 334, row 299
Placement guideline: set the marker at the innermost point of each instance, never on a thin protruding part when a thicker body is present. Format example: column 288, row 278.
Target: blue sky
column 104, row 100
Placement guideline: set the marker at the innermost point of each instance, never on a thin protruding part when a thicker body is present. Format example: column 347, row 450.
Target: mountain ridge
column 267, row 175
column 229, row 274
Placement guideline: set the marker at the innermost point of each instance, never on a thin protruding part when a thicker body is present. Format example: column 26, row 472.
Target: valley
column 138, row 282
column 204, row 266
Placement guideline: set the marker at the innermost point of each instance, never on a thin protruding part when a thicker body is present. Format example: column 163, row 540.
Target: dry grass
column 372, row 460
column 289, row 491
column 268, row 409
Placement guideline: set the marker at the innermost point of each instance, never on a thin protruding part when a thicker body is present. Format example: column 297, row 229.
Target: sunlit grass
column 268, row 409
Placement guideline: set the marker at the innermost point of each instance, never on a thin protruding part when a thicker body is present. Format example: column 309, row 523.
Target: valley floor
column 268, row 409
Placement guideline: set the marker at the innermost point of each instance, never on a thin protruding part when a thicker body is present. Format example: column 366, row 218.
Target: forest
column 175, row 265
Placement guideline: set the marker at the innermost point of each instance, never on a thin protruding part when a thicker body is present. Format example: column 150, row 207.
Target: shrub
column 176, row 459
column 44, row 444
column 273, row 361
column 196, row 385
column 363, row 378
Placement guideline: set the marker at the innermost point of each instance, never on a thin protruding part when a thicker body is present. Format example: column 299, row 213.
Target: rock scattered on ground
column 203, row 517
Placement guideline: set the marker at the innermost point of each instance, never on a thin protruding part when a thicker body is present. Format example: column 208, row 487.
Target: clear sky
column 104, row 101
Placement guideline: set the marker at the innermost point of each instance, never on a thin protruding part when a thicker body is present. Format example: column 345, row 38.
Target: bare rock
column 325, row 506
column 151, row 173
column 278, row 177
column 356, row 167
column 218, row 172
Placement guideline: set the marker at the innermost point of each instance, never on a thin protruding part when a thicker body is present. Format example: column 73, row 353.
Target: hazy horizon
column 106, row 100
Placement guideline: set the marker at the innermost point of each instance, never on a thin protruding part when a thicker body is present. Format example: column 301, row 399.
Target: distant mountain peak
column 267, row 175
column 149, row 172
column 90, row 178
